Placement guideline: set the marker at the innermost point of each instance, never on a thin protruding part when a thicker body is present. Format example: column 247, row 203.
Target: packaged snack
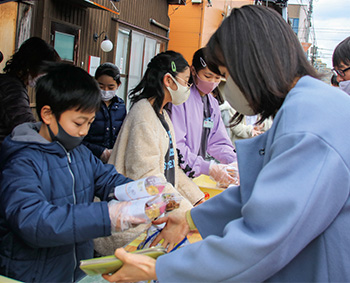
column 140, row 202
column 172, row 201
column 126, row 214
column 155, row 207
column 141, row 188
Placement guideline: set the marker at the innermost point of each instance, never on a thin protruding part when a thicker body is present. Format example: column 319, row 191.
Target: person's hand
column 258, row 129
column 135, row 268
column 219, row 173
column 255, row 132
column 121, row 216
column 232, row 169
column 175, row 230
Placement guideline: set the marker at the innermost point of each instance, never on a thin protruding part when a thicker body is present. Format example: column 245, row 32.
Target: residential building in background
column 191, row 25
column 137, row 30
column 297, row 17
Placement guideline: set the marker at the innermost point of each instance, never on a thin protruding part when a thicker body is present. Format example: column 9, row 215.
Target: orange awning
column 92, row 4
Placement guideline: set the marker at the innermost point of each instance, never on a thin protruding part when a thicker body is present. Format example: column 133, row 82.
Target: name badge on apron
column 208, row 123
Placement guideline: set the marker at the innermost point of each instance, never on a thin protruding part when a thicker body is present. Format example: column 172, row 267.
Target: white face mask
column 180, row 95
column 107, row 95
column 345, row 86
column 236, row 98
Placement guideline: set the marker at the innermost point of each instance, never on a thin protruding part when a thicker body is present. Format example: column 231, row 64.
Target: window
column 64, row 45
column 133, row 53
column 295, row 24
column 65, row 39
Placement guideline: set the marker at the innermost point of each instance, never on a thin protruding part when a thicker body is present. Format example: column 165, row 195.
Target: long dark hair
column 262, row 54
column 30, row 57
column 151, row 85
column 199, row 62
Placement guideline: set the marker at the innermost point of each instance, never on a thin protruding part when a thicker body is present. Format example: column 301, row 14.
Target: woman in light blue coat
column 288, row 221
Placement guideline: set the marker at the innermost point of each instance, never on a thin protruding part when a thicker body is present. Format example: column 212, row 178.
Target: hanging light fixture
column 106, row 44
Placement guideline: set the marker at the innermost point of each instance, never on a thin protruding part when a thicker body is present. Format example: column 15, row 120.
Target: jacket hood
column 26, row 135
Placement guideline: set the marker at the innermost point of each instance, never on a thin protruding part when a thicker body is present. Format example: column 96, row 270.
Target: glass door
column 122, row 61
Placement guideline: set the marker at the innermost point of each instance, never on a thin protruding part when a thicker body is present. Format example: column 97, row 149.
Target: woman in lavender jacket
column 199, row 128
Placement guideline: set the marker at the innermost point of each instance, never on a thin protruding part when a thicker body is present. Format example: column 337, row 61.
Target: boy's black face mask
column 69, row 142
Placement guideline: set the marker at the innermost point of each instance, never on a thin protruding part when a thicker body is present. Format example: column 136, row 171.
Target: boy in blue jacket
column 48, row 183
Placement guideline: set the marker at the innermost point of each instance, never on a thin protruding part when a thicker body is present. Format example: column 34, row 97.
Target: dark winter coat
column 14, row 105
column 47, row 215
column 104, row 130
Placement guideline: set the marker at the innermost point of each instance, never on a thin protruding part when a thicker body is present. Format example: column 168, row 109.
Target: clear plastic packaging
column 224, row 174
column 140, row 202
column 141, row 188
column 127, row 214
column 232, row 171
column 172, row 201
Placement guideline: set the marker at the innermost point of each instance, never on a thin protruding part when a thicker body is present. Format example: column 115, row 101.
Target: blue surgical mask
column 69, row 142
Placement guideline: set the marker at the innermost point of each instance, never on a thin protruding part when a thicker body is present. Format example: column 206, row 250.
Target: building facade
column 192, row 25
column 137, row 29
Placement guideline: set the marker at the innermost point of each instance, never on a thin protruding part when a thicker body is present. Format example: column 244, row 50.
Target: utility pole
column 308, row 26
column 308, row 21
column 313, row 55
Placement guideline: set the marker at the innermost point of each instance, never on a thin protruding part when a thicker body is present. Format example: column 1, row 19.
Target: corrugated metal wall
column 138, row 12
column 90, row 21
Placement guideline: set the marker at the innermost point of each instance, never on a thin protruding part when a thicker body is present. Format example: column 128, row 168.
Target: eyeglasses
column 186, row 82
column 340, row 72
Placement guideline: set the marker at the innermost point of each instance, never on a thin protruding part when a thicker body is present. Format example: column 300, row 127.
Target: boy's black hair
column 67, row 87
column 110, row 70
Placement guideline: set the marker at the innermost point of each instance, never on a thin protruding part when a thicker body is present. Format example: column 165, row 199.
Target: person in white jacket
column 146, row 145
column 246, row 128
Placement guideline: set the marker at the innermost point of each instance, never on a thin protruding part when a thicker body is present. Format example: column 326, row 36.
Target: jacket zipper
column 74, row 202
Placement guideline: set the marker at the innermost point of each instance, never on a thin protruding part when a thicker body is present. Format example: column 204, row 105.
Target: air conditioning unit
column 196, row 1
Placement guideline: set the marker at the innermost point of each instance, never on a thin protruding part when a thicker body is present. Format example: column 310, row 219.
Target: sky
column 330, row 25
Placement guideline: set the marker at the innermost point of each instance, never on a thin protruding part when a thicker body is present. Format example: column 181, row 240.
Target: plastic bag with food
column 141, row 188
column 127, row 214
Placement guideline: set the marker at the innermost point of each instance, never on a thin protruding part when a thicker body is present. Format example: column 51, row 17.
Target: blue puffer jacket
column 47, row 215
column 104, row 130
